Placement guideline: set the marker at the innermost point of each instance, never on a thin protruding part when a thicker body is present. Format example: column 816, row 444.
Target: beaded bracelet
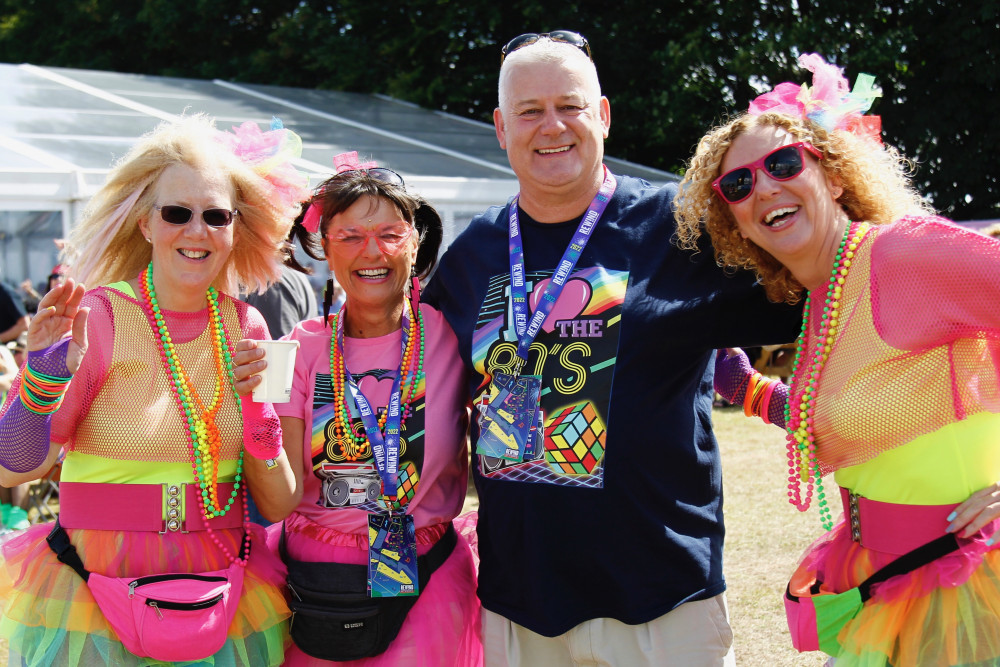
column 41, row 393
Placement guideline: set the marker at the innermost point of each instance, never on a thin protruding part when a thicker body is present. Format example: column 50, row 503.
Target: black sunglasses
column 782, row 164
column 564, row 36
column 181, row 215
column 380, row 174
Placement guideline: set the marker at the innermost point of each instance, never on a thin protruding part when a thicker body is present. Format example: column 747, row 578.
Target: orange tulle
column 944, row 614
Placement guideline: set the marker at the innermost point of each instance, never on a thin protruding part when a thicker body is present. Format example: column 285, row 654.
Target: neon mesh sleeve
column 732, row 375
column 25, row 436
column 261, row 426
column 933, row 282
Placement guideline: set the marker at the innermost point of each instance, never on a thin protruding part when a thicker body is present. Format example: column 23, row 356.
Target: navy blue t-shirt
column 622, row 515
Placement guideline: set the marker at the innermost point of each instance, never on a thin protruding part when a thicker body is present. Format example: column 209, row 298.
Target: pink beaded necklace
column 803, row 467
column 200, row 427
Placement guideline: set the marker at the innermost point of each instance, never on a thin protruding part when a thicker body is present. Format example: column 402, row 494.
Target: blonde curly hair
column 875, row 179
column 108, row 246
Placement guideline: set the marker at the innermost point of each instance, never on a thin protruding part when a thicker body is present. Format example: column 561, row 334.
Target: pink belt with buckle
column 891, row 527
column 145, row 507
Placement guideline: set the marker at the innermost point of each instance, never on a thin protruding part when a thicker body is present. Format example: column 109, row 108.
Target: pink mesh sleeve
column 933, row 282
column 93, row 369
column 261, row 426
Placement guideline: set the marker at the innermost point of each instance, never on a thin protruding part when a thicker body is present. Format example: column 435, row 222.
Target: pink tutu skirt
column 442, row 628
column 943, row 614
column 51, row 618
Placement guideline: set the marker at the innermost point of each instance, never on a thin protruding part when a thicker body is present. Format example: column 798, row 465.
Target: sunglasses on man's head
column 564, row 36
column 181, row 215
column 782, row 164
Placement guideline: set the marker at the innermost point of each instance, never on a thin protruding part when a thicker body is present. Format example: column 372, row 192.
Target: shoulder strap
column 59, row 542
column 910, row 561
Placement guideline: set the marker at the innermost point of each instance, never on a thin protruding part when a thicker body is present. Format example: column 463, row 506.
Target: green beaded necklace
column 201, row 427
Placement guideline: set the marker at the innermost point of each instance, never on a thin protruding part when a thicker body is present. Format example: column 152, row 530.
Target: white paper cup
column 276, row 379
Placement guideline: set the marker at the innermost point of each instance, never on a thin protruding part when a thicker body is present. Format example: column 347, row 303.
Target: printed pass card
column 507, row 422
column 392, row 556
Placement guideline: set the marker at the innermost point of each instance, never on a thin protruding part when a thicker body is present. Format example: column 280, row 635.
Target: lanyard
column 528, row 330
column 385, row 449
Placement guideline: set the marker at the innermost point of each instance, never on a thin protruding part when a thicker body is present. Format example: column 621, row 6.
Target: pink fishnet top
column 120, row 421
column 918, row 347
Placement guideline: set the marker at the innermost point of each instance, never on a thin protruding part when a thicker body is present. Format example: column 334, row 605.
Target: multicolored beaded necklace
column 411, row 370
column 801, row 440
column 200, row 422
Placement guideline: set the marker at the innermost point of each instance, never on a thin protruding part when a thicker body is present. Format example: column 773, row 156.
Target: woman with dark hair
column 382, row 471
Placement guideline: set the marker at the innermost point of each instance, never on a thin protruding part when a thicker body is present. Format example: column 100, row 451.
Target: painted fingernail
column 951, row 517
column 989, row 542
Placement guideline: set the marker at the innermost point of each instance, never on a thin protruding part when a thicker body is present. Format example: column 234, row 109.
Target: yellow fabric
column 939, row 468
column 873, row 397
column 80, row 467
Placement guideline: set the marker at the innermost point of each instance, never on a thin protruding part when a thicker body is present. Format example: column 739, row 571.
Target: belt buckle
column 173, row 509
column 854, row 512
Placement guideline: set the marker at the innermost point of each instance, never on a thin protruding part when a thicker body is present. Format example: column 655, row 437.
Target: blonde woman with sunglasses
column 134, row 381
column 375, row 433
column 896, row 383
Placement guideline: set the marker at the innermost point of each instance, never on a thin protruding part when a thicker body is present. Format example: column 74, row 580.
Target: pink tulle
column 270, row 154
column 349, row 162
column 843, row 564
column 829, row 102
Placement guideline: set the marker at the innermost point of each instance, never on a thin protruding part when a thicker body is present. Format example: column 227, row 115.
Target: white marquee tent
column 61, row 129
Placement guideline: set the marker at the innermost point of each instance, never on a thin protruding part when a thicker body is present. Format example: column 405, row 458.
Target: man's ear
column 605, row 107
column 498, row 124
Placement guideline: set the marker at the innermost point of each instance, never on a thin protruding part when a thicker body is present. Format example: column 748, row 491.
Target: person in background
column 134, row 381
column 895, row 388
column 14, row 318
column 600, row 485
column 375, row 431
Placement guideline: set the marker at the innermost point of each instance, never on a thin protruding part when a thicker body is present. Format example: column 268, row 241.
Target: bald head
column 547, row 51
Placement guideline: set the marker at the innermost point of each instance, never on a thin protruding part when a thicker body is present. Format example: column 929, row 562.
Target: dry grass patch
column 765, row 536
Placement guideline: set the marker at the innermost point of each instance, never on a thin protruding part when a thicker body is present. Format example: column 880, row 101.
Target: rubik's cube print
column 574, row 440
column 406, row 484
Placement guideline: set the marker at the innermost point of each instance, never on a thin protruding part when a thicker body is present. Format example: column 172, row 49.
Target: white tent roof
column 61, row 129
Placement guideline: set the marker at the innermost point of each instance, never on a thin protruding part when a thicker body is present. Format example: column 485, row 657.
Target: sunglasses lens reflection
column 783, row 164
column 181, row 215
column 217, row 217
column 175, row 215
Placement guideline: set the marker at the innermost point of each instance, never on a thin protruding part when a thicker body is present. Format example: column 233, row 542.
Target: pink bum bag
column 172, row 617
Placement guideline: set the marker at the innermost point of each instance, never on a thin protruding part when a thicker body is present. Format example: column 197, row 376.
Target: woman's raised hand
column 60, row 316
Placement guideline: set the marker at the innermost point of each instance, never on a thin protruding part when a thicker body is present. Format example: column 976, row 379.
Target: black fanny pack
column 333, row 618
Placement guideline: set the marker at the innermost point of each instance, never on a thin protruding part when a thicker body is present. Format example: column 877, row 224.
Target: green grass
column 765, row 537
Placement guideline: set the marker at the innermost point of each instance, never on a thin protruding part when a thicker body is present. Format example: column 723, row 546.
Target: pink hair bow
column 313, row 216
column 341, row 163
column 349, row 162
column 829, row 102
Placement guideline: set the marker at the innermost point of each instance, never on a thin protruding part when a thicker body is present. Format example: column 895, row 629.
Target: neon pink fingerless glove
column 24, row 433
column 261, row 429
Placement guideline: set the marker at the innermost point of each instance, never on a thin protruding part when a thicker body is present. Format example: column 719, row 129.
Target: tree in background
column 671, row 71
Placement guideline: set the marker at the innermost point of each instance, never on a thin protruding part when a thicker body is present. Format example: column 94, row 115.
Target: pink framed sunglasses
column 781, row 164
